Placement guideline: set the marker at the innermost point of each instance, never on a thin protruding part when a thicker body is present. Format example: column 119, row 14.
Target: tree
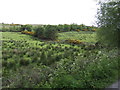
column 109, row 23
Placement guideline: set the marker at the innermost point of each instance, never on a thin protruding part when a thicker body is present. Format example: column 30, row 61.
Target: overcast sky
column 48, row 11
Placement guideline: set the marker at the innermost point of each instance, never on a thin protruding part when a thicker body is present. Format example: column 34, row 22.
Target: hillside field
column 29, row 62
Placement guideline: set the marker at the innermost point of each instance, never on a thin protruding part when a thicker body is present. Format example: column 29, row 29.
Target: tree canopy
column 109, row 23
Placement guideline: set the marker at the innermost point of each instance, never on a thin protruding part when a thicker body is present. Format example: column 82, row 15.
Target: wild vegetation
column 60, row 56
column 29, row 62
column 109, row 23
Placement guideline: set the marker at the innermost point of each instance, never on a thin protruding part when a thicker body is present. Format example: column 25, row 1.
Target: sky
column 48, row 11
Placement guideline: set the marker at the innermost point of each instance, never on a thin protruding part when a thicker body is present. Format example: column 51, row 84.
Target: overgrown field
column 82, row 36
column 28, row 62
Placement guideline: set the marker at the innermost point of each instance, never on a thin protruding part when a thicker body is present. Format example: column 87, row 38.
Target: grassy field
column 28, row 62
column 83, row 36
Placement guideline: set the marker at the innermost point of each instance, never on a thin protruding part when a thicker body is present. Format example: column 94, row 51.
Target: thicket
column 48, row 32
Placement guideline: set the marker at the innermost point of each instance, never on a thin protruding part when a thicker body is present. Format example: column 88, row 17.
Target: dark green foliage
column 25, row 61
column 74, row 27
column 67, row 27
column 4, row 63
column 50, row 32
column 43, row 57
column 10, row 63
column 60, row 28
column 39, row 31
column 26, row 27
column 109, row 23
column 65, row 81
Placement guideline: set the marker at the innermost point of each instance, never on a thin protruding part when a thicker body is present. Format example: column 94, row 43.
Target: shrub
column 67, row 27
column 39, row 31
column 4, row 63
column 65, row 81
column 74, row 27
column 43, row 57
column 10, row 63
column 50, row 32
column 26, row 27
column 60, row 28
column 25, row 61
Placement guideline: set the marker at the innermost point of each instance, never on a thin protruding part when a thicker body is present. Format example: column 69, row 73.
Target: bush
column 11, row 63
column 50, row 32
column 74, row 27
column 39, row 31
column 25, row 61
column 26, row 27
column 65, row 81
column 67, row 27
column 60, row 28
